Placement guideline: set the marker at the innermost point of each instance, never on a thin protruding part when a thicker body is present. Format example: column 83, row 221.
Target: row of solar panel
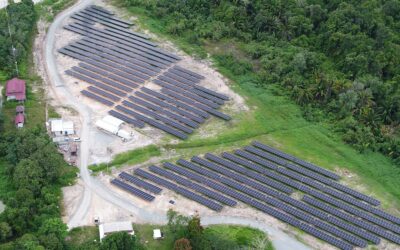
column 98, row 20
column 135, row 66
column 345, row 197
column 161, row 110
column 187, row 183
column 137, row 192
column 265, row 199
column 118, row 43
column 109, row 61
column 245, row 199
column 184, row 192
column 144, row 47
column 152, row 122
column 89, row 13
column 320, row 170
column 356, row 212
column 124, row 52
column 106, row 15
column 256, row 194
column 139, row 182
column 356, row 240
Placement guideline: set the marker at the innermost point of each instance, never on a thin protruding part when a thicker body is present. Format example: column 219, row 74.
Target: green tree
column 119, row 241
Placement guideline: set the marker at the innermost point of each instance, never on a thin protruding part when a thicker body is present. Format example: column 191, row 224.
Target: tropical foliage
column 338, row 58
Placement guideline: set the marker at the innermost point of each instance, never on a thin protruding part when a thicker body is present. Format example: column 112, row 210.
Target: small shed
column 157, row 234
column 20, row 109
column 113, row 227
column 19, row 120
column 61, row 127
column 73, row 149
column 16, row 90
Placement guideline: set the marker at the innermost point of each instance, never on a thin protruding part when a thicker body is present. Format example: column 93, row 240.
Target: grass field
column 279, row 122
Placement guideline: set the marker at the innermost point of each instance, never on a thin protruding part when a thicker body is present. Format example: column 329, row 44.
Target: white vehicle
column 77, row 139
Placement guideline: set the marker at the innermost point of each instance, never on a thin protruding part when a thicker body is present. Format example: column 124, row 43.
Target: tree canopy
column 341, row 57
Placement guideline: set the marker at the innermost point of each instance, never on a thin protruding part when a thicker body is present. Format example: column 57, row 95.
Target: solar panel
column 97, row 98
column 189, row 72
column 104, row 93
column 211, row 92
column 141, row 183
column 271, row 211
column 184, row 75
column 137, row 192
column 179, row 79
column 228, row 173
column 185, row 182
column 106, row 16
column 126, row 119
column 120, row 50
column 102, row 9
column 103, row 19
column 157, row 108
column 155, row 52
column 175, row 102
column 272, row 201
column 296, row 160
column 158, row 117
column 153, row 123
column 209, row 97
column 251, row 174
column 187, row 94
column 184, row 192
column 121, row 47
column 133, row 36
column 174, row 82
column 196, row 104
column 354, row 220
column 164, row 104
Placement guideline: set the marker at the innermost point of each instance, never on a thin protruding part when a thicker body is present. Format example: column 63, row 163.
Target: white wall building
column 60, row 127
column 113, row 227
column 113, row 125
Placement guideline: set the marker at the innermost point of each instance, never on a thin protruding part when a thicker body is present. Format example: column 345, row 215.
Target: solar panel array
column 120, row 64
column 264, row 178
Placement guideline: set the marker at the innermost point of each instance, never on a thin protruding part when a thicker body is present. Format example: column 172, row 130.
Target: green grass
column 243, row 236
column 277, row 121
column 80, row 236
column 129, row 158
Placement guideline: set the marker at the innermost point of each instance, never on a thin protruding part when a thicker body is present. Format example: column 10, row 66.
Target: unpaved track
column 280, row 240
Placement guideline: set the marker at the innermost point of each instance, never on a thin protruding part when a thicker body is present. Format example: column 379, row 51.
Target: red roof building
column 19, row 120
column 15, row 90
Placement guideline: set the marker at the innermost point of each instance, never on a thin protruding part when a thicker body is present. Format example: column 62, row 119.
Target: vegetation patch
column 129, row 158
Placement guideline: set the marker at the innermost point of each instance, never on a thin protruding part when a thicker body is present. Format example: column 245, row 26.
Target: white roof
column 156, row 233
column 124, row 134
column 121, row 226
column 56, row 125
column 68, row 125
column 112, row 120
column 107, row 126
column 60, row 125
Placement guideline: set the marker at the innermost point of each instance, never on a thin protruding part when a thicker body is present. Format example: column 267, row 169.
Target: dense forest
column 338, row 59
column 17, row 24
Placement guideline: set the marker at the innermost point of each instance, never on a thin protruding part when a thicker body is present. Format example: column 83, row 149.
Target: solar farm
column 119, row 64
column 265, row 178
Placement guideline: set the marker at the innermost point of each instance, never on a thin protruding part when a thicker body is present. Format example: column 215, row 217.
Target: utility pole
column 12, row 43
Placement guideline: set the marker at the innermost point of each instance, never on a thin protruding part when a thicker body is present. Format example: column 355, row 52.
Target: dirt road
column 92, row 185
